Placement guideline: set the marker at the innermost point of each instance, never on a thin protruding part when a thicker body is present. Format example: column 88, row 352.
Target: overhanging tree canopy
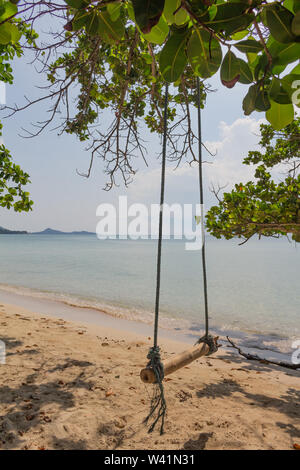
column 121, row 52
column 116, row 55
column 208, row 35
column 13, row 179
column 264, row 207
column 12, row 182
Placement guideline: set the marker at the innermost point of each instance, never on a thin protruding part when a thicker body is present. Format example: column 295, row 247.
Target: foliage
column 116, row 55
column 12, row 181
column 263, row 207
column 12, row 178
column 192, row 31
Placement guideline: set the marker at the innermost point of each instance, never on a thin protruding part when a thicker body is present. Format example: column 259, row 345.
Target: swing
column 156, row 370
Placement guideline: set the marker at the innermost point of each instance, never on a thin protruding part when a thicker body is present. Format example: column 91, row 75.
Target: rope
column 158, row 402
column 202, row 212
column 162, row 198
column 158, row 406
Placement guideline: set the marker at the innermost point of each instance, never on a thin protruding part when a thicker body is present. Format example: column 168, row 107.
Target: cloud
column 182, row 183
column 232, row 147
column 77, row 212
column 226, row 167
column 146, row 185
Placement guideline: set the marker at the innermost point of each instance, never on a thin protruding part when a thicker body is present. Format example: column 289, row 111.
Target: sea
column 253, row 289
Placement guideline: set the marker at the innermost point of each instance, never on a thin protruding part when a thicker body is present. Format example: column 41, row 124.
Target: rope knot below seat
column 211, row 343
column 158, row 407
column 155, row 363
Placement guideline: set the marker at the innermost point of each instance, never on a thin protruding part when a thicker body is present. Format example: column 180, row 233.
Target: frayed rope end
column 158, row 407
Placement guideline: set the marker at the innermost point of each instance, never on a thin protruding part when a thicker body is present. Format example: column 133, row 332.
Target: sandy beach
column 69, row 385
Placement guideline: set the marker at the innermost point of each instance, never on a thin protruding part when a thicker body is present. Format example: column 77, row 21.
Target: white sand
column 76, row 386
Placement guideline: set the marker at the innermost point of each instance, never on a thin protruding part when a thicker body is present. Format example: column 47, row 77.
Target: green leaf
column 296, row 69
column 284, row 54
column 5, row 34
column 159, row 32
column 252, row 58
column 246, row 75
column 296, row 24
column 240, row 35
column 14, row 32
column 230, row 17
column 289, row 5
column 2, row 8
column 277, row 93
column 204, row 53
column 114, row 10
column 99, row 23
column 280, row 115
column 147, row 13
column 172, row 59
column 249, row 45
column 76, row 3
column 279, row 21
column 278, row 69
column 296, row 6
column 110, row 31
column 180, row 17
column 261, row 66
column 130, row 12
column 92, row 24
column 262, row 102
column 80, row 20
column 249, row 100
column 230, row 70
column 10, row 10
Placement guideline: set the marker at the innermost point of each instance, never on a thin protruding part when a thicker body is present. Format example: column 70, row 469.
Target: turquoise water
column 253, row 288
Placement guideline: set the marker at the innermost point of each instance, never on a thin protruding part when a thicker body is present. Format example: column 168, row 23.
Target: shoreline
column 85, row 316
column 265, row 345
column 69, row 385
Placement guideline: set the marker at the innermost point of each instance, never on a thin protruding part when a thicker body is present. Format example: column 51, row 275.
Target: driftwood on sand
column 254, row 357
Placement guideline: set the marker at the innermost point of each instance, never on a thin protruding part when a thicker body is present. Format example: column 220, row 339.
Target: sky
column 64, row 200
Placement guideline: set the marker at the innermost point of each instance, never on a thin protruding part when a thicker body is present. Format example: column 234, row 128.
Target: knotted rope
column 202, row 209
column 158, row 403
column 158, row 407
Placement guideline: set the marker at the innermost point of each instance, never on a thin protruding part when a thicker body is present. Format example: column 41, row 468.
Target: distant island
column 47, row 231
column 5, row 231
column 50, row 231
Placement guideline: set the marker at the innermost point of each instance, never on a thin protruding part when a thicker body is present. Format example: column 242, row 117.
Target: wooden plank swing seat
column 180, row 360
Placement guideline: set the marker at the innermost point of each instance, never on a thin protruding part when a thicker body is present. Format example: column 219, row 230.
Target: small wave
column 270, row 342
column 115, row 311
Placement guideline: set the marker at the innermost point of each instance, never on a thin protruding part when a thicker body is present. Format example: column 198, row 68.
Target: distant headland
column 47, row 231
column 50, row 231
column 5, row 231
